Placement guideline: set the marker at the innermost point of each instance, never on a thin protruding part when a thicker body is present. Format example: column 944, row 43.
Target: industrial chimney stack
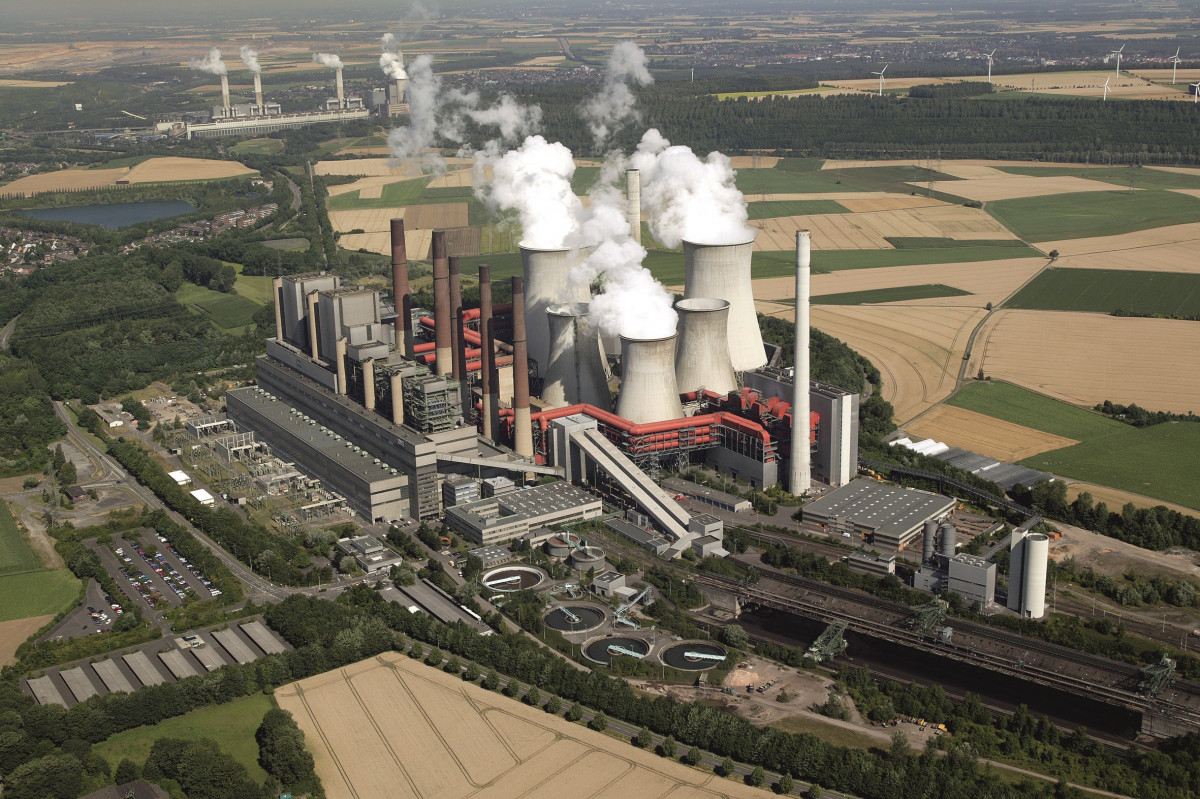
column 723, row 271
column 225, row 95
column 575, row 372
column 400, row 292
column 522, row 425
column 702, row 352
column 258, row 101
column 458, row 362
column 649, row 392
column 441, row 305
column 341, row 96
column 486, row 384
column 801, row 467
column 633, row 208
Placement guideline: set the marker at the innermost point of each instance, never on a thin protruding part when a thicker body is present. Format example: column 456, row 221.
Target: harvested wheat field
column 1179, row 170
column 1174, row 257
column 829, row 232
column 454, row 179
column 754, row 161
column 13, row 83
column 995, row 438
column 417, row 242
column 64, row 180
column 161, row 170
column 1129, row 243
column 369, row 220
column 949, row 166
column 871, row 85
column 368, row 167
column 437, row 216
column 1009, row 187
column 13, row 634
column 1086, row 358
column 917, row 349
column 1116, row 499
column 1164, row 75
column 394, row 727
column 371, row 184
column 889, row 202
column 870, row 230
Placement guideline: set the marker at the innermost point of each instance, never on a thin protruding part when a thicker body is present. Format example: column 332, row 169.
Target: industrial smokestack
column 547, row 283
column 633, row 207
column 489, row 352
column 801, row 466
column 400, row 292
column 312, row 325
column 927, row 544
column 277, row 288
column 702, row 350
column 649, row 392
column 396, row 384
column 225, row 93
column 262, row 109
column 441, row 304
column 458, row 364
column 522, row 427
column 723, row 271
column 575, row 372
column 368, row 373
column 341, row 365
column 341, row 95
column 949, row 539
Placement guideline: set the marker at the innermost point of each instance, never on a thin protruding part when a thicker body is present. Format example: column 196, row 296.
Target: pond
column 113, row 215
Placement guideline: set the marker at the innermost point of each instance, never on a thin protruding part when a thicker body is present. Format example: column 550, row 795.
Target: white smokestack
column 702, row 353
column 225, row 93
column 801, row 469
column 649, row 392
column 723, row 271
column 633, row 208
column 258, row 101
column 575, row 372
column 341, row 95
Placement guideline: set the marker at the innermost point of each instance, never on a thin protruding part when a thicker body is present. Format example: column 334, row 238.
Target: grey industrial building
column 639, row 535
column 884, row 515
column 370, row 554
column 498, row 519
column 709, row 496
column 867, row 563
column 972, row 578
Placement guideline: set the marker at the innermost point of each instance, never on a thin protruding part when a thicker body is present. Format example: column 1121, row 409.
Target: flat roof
column 202, row 495
column 634, row 533
column 491, row 553
column 696, row 490
column 888, row 510
column 179, row 476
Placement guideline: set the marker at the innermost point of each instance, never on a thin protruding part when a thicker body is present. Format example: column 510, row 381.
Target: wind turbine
column 1175, row 59
column 880, row 74
column 1195, row 91
column 1106, row 80
column 1117, row 53
column 989, row 58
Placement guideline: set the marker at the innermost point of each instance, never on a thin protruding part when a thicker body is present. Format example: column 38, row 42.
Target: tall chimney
column 225, row 93
column 312, row 325
column 801, row 467
column 489, row 352
column 262, row 109
column 441, row 304
column 575, row 372
column 368, row 373
column 633, row 207
column 702, row 350
column 341, row 97
column 397, row 388
column 457, row 365
column 460, row 362
column 400, row 292
column 649, row 392
column 547, row 282
column 341, row 365
column 723, row 271
column 277, row 288
column 522, row 426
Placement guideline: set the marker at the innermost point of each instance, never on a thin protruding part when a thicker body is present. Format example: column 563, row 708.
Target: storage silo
column 702, row 346
column 649, row 392
column 927, row 544
column 1033, row 584
column 575, row 372
column 949, row 539
column 723, row 271
column 1016, row 568
column 547, row 282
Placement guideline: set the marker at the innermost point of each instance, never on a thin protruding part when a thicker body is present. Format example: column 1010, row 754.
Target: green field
column 1157, row 461
column 38, row 593
column 1097, row 213
column 405, row 192
column 257, row 147
column 227, row 311
column 937, row 243
column 772, row 209
column 231, row 725
column 584, row 178
column 15, row 554
column 778, row 181
column 896, row 294
column 1142, row 177
column 1106, row 290
column 289, row 245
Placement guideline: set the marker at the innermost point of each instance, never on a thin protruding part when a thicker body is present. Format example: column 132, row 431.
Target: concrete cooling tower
column 575, row 371
column 649, row 392
column 702, row 350
column 546, row 274
column 723, row 271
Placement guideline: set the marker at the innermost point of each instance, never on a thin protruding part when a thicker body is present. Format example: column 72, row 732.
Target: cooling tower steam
column 413, row 140
column 210, row 63
column 328, row 60
column 250, row 59
column 392, row 65
column 615, row 105
column 388, row 42
column 685, row 197
column 533, row 181
column 513, row 120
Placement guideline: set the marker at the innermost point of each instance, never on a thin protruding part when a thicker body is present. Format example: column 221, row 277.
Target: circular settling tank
column 603, row 650
column 693, row 655
column 588, row 557
column 587, row 617
column 512, row 578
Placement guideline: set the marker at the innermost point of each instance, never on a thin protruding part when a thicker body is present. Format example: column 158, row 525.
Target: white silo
column 1033, row 583
column 702, row 349
column 723, row 271
column 575, row 371
column 546, row 273
column 649, row 392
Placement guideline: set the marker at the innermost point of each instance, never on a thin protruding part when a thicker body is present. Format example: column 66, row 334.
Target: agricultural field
column 37, row 593
column 1085, row 214
column 226, row 311
column 391, row 726
column 774, row 208
column 258, row 147
column 390, row 195
column 872, row 230
column 143, row 170
column 986, row 435
column 15, row 632
column 1107, row 290
column 895, row 294
column 1163, row 249
column 231, row 725
column 15, row 554
column 1011, row 187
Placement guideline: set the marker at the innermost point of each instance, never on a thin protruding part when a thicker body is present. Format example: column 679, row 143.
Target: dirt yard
column 1086, row 358
column 13, row 634
column 1110, row 556
column 391, row 726
column 997, row 439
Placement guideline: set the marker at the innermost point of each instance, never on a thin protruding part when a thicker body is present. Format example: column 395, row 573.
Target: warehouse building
column 885, row 515
column 496, row 520
column 972, row 578
column 370, row 554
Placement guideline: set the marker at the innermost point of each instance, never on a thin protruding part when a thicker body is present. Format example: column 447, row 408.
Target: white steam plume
column 414, row 140
column 392, row 65
column 330, row 60
column 615, row 105
column 388, row 42
column 210, row 63
column 534, row 181
column 250, row 59
column 688, row 198
column 513, row 119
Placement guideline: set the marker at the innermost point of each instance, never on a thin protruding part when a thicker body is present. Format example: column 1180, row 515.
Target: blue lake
column 113, row 215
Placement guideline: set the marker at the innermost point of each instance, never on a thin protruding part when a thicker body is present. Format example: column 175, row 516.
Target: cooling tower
column 575, row 372
column 522, row 424
column 649, row 392
column 927, row 544
column 1033, row 584
column 949, row 539
column 801, row 462
column 633, row 204
column 546, row 275
column 702, row 348
column 258, row 103
column 723, row 271
column 441, row 305
column 225, row 94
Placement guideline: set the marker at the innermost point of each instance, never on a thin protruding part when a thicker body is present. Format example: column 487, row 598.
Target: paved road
column 7, row 331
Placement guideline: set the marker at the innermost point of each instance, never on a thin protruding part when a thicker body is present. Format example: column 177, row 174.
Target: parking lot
column 94, row 615
column 152, row 568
